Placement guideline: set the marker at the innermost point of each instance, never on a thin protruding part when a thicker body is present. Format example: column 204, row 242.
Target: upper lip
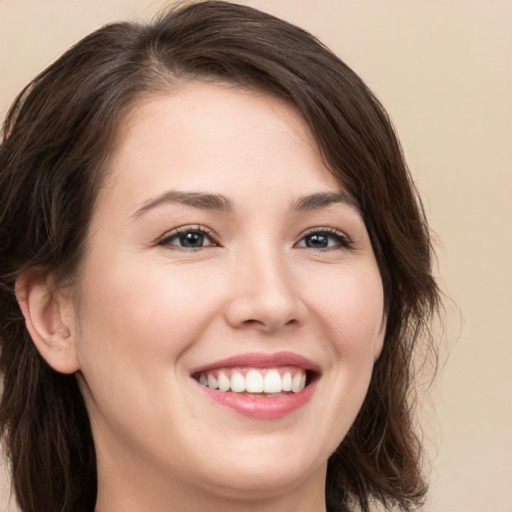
column 261, row 360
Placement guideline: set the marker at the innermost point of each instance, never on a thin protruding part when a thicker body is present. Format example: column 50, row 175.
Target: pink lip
column 260, row 360
column 260, row 407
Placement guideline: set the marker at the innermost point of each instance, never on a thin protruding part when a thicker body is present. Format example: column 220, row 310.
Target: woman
column 215, row 269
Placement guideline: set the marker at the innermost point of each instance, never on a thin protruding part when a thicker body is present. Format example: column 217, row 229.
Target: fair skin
column 272, row 266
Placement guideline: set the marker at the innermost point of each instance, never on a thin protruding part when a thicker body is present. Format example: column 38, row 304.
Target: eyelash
column 184, row 230
column 341, row 241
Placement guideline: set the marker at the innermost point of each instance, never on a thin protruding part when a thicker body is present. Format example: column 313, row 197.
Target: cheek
column 126, row 313
column 135, row 327
column 352, row 311
column 351, row 322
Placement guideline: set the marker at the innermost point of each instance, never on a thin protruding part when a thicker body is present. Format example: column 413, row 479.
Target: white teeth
column 297, row 383
column 237, row 382
column 212, row 382
column 254, row 382
column 269, row 381
column 287, row 381
column 272, row 382
column 224, row 382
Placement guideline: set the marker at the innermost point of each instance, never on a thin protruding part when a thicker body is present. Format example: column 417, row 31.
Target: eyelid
column 346, row 240
column 187, row 228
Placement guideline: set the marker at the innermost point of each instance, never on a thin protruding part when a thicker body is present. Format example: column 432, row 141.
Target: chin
column 265, row 479
column 266, row 471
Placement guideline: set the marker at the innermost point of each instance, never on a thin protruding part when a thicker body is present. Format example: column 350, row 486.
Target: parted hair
column 56, row 140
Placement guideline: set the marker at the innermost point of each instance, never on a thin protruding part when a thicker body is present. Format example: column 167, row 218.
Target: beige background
column 444, row 71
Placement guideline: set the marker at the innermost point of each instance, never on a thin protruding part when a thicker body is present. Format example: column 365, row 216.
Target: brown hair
column 56, row 139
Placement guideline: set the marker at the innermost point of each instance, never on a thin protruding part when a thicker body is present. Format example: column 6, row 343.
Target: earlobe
column 49, row 320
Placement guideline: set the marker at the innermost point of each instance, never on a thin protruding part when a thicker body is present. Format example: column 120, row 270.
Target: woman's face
column 222, row 252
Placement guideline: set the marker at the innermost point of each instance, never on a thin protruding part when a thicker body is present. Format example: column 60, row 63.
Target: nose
column 264, row 294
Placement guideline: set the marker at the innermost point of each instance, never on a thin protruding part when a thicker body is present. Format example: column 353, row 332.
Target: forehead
column 207, row 112
column 205, row 136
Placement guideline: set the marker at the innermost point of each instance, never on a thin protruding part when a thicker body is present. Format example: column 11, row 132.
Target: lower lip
column 259, row 407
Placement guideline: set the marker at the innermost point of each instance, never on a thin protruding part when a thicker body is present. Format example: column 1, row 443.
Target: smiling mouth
column 257, row 382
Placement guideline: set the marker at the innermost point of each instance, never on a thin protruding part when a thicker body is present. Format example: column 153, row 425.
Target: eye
column 188, row 238
column 324, row 238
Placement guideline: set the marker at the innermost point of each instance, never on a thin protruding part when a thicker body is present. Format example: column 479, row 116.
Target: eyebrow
column 220, row 203
column 200, row 200
column 324, row 199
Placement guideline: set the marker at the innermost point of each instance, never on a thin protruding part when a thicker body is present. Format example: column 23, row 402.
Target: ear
column 379, row 340
column 50, row 321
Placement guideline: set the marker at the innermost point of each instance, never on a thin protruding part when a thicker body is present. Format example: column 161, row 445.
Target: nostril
column 260, row 323
column 254, row 324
